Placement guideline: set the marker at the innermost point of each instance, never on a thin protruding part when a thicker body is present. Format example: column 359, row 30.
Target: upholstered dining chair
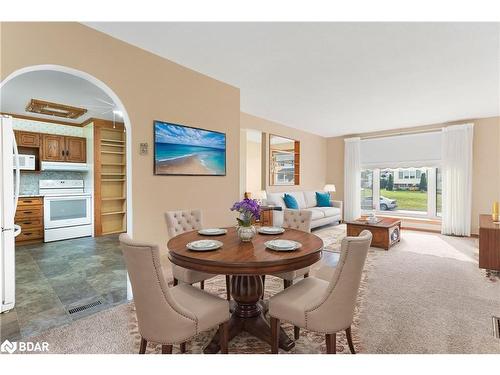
column 300, row 220
column 324, row 306
column 169, row 316
column 179, row 222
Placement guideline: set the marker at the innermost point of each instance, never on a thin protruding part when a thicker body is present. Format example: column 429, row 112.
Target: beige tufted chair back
column 297, row 219
column 334, row 311
column 161, row 319
column 182, row 221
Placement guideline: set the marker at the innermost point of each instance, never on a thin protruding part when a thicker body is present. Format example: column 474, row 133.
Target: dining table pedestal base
column 248, row 314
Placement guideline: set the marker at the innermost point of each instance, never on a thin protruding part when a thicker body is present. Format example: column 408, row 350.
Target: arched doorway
column 45, row 316
column 104, row 87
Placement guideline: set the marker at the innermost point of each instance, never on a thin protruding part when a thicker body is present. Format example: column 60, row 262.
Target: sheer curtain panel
column 352, row 179
column 457, row 179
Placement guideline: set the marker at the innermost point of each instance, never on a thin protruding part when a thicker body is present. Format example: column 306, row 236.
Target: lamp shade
column 330, row 187
column 261, row 194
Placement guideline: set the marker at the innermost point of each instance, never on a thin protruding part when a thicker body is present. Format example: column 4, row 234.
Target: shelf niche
column 110, row 204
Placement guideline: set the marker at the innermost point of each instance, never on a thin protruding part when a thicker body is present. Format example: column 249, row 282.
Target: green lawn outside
column 407, row 200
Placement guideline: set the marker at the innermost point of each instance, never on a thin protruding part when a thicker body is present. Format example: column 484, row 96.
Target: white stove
column 67, row 209
column 61, row 187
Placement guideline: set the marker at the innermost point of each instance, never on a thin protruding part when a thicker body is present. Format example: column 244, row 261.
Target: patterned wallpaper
column 46, row 127
column 29, row 180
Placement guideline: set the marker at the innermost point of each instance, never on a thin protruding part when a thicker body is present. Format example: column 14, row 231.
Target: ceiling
column 338, row 78
column 60, row 88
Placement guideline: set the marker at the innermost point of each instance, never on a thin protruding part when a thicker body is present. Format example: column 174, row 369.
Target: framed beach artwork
column 181, row 150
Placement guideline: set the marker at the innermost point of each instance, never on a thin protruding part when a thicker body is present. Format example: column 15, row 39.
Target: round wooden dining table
column 246, row 263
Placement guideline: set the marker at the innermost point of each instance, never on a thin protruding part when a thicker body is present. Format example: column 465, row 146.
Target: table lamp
column 261, row 196
column 330, row 188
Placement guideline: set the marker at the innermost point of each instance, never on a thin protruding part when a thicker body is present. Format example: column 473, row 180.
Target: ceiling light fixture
column 54, row 109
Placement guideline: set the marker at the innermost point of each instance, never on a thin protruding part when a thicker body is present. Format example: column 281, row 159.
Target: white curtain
column 352, row 179
column 457, row 179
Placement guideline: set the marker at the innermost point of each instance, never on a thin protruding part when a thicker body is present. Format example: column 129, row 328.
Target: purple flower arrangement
column 249, row 211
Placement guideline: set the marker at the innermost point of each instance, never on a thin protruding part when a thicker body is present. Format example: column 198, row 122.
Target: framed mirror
column 284, row 161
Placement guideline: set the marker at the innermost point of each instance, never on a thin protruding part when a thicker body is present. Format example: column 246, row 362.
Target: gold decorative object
column 496, row 212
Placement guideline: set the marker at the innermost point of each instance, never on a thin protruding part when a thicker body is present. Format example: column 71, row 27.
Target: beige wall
column 335, row 165
column 253, row 166
column 486, row 168
column 150, row 88
column 486, row 163
column 312, row 152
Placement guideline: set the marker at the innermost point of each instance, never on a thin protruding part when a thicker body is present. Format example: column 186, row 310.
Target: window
column 403, row 191
column 366, row 189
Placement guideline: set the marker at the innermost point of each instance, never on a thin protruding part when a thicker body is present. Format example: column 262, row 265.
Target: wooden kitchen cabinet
column 76, row 149
column 63, row 148
column 27, row 139
column 53, row 147
column 29, row 216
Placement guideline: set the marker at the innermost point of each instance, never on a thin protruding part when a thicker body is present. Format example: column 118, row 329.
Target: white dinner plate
column 271, row 230
column 283, row 245
column 212, row 231
column 204, row 245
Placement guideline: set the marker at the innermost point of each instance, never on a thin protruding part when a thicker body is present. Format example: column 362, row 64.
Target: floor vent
column 496, row 326
column 84, row 307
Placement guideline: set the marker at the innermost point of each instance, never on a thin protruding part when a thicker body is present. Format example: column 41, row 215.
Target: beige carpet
column 426, row 295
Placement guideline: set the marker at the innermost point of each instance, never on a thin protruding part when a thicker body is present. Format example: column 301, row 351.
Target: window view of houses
column 405, row 190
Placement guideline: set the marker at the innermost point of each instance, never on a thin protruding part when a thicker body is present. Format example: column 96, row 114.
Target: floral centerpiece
column 249, row 210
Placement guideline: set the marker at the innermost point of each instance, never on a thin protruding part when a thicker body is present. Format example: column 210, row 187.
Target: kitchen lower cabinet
column 29, row 216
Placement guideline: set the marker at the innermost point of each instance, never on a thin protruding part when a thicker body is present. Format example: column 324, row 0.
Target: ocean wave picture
column 183, row 150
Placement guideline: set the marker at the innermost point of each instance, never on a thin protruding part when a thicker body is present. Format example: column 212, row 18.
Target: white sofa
column 306, row 201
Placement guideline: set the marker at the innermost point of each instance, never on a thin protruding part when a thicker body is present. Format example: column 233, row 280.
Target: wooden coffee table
column 386, row 232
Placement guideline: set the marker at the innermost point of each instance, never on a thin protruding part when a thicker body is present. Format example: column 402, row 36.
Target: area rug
column 332, row 236
column 308, row 342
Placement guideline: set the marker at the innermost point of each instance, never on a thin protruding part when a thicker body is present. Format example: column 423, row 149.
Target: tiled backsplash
column 29, row 180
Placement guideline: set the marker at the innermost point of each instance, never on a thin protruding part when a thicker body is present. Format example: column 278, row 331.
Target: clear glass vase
column 246, row 234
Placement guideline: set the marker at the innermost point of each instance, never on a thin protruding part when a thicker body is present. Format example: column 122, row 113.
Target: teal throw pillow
column 323, row 199
column 290, row 202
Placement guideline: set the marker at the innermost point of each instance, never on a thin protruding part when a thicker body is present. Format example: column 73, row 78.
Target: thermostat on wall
column 143, row 149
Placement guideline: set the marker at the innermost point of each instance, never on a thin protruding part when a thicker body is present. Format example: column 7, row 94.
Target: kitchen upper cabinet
column 62, row 148
column 76, row 149
column 27, row 139
column 53, row 148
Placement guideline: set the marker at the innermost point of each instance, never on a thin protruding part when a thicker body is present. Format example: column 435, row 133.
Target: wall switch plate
column 143, row 148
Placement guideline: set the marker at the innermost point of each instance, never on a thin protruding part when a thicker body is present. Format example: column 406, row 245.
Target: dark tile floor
column 52, row 278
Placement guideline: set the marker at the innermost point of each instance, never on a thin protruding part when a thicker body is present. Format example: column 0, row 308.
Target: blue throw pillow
column 290, row 202
column 323, row 199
